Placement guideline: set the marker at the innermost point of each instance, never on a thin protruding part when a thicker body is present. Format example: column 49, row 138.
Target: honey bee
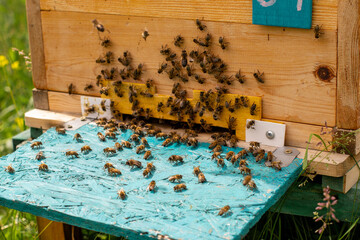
column 317, row 31
column 229, row 155
column 242, row 154
column 174, row 178
column 196, row 171
column 224, row 210
column 259, row 76
column 243, row 163
column 72, row 154
column 137, row 72
column 111, row 135
column 106, row 42
column 233, row 141
column 201, row 178
column 276, row 165
column 9, row 169
column 151, row 186
column 232, row 123
column 86, row 148
column 140, row 149
column 183, row 58
column 192, row 142
column 105, row 91
column 60, row 130
column 254, row 144
column 234, row 159
column 37, row 144
column 175, row 159
column 223, row 43
column 220, row 162
column 250, row 183
column 43, row 167
column 118, row 146
column 113, row 171
column 147, row 172
column 244, row 170
column 109, row 57
column 133, row 163
column 253, row 109
column 126, row 59
column 167, row 142
column 218, row 148
column 215, row 155
column 121, row 194
column 98, row 26
column 150, row 166
column 40, row 155
column 109, row 151
column 162, row 68
column 101, row 136
column 102, row 104
column 161, row 135
column 200, row 26
column 178, row 41
column 145, row 34
column 108, row 165
column 180, row 187
column 250, row 124
column 165, row 50
column 270, row 156
column 240, row 78
column 134, row 137
column 88, row 87
column 199, row 79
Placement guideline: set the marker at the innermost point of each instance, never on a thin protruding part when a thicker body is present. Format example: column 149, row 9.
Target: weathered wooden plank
column 51, row 230
column 40, row 99
column 43, row 119
column 297, row 134
column 348, row 97
column 324, row 12
column 291, row 91
column 36, row 43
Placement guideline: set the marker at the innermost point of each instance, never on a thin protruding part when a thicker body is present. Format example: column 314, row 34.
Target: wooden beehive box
column 308, row 81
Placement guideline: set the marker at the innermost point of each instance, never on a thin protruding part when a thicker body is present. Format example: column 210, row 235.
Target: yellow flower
column 3, row 61
column 15, row 65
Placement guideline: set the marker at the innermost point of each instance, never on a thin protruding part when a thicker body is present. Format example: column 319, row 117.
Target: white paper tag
column 258, row 133
column 93, row 107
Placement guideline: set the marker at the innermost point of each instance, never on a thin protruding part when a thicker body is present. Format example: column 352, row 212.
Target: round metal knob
column 270, row 134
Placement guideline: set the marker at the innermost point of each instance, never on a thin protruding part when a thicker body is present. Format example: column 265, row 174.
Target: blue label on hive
column 283, row 13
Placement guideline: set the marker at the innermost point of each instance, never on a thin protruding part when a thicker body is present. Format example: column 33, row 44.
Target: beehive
column 308, row 81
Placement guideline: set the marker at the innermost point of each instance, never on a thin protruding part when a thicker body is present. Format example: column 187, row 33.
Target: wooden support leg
column 55, row 231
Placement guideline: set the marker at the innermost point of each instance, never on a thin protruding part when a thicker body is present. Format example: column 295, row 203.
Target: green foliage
column 13, row 33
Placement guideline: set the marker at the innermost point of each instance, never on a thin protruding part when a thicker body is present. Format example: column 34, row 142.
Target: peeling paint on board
column 79, row 192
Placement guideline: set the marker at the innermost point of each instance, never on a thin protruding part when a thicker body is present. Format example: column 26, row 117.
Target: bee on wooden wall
column 259, row 76
column 200, row 42
column 223, row 43
column 88, row 87
column 183, row 58
column 240, row 78
column 98, row 26
column 108, row 57
column 126, row 59
column 71, row 88
column 137, row 72
column 199, row 25
column 232, row 123
column 162, row 67
column 165, row 50
column 199, row 79
column 317, row 31
column 145, row 34
column 160, row 107
column 106, row 42
column 170, row 57
column 105, row 91
column 118, row 92
column 172, row 73
column 178, row 41
column 189, row 70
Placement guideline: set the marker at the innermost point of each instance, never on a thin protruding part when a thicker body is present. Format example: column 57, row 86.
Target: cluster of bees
column 180, row 68
column 139, row 143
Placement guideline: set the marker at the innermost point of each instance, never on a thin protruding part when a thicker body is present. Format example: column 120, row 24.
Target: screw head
column 270, row 134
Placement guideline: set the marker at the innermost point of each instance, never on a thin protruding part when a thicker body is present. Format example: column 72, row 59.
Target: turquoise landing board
column 283, row 13
column 79, row 192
